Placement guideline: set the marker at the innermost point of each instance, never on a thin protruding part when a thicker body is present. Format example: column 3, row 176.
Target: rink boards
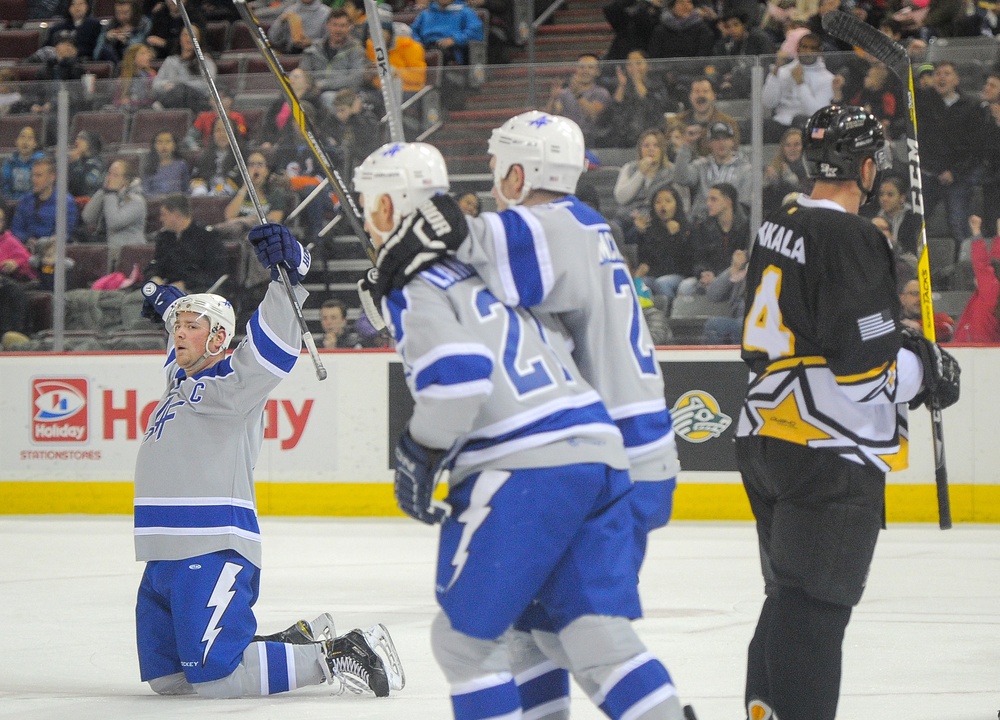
column 70, row 426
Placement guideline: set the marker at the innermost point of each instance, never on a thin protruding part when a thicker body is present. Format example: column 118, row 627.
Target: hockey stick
column 305, row 125
column 389, row 96
column 307, row 337
column 848, row 28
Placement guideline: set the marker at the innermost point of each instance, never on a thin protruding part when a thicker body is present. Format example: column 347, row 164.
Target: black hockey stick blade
column 848, row 28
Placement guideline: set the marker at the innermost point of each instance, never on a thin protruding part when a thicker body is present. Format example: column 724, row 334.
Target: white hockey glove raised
column 369, row 300
column 942, row 374
column 416, row 475
column 432, row 231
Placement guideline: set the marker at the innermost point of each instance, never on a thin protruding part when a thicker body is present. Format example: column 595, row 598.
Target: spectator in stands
column 406, row 59
column 469, row 202
column 638, row 102
column 165, row 28
column 336, row 62
column 15, row 273
column 739, row 40
column 35, row 213
column 714, row 239
column 134, row 87
column 656, row 319
column 795, row 89
column 702, row 111
column 990, row 148
column 352, row 129
column 15, row 182
column 164, row 169
column 117, row 211
column 664, row 244
column 906, row 263
column 200, row 133
column 86, row 166
column 951, row 132
column 64, row 65
column 728, row 286
column 216, row 172
column 633, row 22
column 723, row 164
column 449, row 26
column 903, row 223
column 178, row 83
column 681, row 32
column 786, row 172
column 980, row 321
column 299, row 26
column 881, row 92
column 828, row 42
column 911, row 314
column 128, row 27
column 43, row 9
column 272, row 191
column 11, row 99
column 581, row 99
column 187, row 255
column 638, row 177
column 85, row 27
column 337, row 333
column 279, row 131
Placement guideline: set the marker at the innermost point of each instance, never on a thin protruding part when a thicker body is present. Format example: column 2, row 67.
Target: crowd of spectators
column 683, row 202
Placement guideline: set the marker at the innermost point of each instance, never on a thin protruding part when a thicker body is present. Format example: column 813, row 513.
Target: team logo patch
column 697, row 417
column 59, row 410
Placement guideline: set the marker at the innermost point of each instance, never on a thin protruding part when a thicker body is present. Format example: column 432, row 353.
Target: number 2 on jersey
column 764, row 330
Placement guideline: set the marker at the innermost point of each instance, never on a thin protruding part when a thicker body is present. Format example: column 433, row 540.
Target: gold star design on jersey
column 783, row 420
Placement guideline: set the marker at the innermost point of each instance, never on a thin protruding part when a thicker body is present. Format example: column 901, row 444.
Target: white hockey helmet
column 216, row 308
column 409, row 173
column 550, row 148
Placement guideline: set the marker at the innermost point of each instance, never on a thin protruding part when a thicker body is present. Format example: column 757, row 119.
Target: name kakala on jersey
column 778, row 238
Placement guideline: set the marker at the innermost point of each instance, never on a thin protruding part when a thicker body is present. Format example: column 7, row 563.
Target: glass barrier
column 692, row 124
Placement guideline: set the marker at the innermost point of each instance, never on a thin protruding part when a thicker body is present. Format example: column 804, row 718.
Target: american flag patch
column 877, row 325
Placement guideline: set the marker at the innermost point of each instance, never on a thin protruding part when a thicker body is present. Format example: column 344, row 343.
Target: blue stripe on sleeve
column 640, row 430
column 195, row 516
column 523, row 259
column 454, row 370
column 277, row 668
column 267, row 348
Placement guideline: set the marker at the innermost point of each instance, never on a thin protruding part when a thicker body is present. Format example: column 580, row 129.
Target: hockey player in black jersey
column 824, row 419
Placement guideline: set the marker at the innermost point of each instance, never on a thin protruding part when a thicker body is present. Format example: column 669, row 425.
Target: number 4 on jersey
column 764, row 330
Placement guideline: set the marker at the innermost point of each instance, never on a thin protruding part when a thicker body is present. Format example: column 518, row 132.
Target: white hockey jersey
column 194, row 489
column 488, row 384
column 559, row 258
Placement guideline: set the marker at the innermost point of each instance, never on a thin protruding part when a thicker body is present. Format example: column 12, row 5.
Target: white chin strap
column 205, row 356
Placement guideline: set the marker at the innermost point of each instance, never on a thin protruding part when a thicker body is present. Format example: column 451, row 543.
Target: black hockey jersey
column 821, row 336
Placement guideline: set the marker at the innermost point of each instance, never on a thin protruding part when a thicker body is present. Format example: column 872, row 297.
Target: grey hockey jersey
column 194, row 489
column 488, row 384
column 559, row 258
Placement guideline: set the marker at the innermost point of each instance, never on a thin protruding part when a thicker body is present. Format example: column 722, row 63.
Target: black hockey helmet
column 838, row 139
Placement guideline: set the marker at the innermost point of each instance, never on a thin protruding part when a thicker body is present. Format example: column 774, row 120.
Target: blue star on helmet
column 540, row 121
column 396, row 147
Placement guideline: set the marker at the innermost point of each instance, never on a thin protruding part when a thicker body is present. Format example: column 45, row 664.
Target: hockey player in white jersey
column 548, row 251
column 195, row 511
column 538, row 506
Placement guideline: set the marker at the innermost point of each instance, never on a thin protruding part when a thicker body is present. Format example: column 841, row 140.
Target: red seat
column 147, row 123
column 19, row 44
column 109, row 126
column 11, row 125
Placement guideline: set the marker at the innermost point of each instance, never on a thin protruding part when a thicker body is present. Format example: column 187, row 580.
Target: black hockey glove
column 416, row 475
column 370, row 300
column 434, row 230
column 941, row 372
column 275, row 246
column 157, row 299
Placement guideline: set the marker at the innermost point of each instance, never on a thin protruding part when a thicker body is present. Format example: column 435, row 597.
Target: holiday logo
column 697, row 417
column 59, row 410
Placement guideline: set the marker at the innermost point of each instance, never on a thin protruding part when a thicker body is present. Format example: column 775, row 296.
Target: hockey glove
column 370, row 300
column 276, row 246
column 941, row 372
column 416, row 475
column 434, row 230
column 157, row 298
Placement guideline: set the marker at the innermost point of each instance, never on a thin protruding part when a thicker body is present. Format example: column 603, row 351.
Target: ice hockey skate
column 364, row 661
column 303, row 632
